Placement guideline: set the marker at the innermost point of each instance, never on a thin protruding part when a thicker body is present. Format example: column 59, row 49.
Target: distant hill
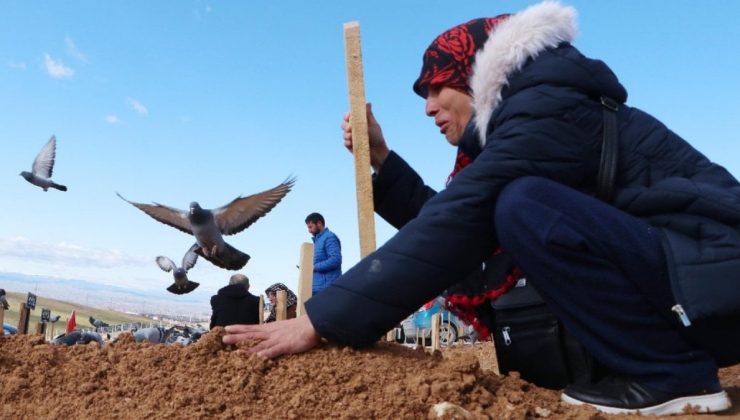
column 115, row 298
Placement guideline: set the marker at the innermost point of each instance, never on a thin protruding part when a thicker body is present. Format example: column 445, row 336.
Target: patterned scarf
column 291, row 299
column 448, row 61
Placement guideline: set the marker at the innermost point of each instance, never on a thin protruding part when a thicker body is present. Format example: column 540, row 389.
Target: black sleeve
column 399, row 193
column 449, row 238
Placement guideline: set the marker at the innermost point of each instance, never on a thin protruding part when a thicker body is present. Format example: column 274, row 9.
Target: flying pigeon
column 208, row 226
column 43, row 166
column 181, row 285
column 97, row 323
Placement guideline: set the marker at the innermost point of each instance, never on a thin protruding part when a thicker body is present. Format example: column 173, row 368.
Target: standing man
column 327, row 253
column 234, row 304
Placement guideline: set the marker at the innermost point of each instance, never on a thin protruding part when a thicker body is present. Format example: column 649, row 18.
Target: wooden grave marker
column 360, row 138
column 305, row 276
column 281, row 310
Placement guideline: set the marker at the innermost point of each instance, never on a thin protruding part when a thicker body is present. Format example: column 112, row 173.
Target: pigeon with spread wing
column 182, row 284
column 209, row 226
column 43, row 166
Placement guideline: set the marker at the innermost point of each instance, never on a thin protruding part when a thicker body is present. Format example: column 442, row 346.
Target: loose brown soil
column 207, row 380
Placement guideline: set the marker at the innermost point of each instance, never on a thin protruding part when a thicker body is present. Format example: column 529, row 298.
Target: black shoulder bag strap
column 609, row 151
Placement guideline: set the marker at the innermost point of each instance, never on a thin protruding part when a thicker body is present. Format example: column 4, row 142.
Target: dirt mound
column 209, row 380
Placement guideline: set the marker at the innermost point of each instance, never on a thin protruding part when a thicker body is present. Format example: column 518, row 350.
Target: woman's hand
column 378, row 148
column 276, row 338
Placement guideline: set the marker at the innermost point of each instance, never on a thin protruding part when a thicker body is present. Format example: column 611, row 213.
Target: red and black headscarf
column 448, row 61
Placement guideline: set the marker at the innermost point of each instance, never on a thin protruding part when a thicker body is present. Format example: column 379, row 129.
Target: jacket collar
column 522, row 36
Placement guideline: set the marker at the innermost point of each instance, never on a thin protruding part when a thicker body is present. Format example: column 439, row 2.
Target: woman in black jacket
column 631, row 235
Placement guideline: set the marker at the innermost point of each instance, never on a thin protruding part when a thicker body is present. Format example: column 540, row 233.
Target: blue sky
column 175, row 101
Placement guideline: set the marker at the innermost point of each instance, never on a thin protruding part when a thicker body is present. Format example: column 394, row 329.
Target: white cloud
column 56, row 68
column 18, row 65
column 137, row 106
column 112, row 119
column 66, row 254
column 73, row 51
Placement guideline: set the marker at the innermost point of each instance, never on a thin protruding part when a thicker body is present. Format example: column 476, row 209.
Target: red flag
column 71, row 323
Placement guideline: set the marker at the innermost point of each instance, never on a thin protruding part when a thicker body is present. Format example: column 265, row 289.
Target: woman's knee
column 509, row 215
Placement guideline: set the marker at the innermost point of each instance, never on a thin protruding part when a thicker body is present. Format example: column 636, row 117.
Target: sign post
column 31, row 301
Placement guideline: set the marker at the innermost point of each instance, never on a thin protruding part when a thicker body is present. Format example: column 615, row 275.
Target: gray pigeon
column 182, row 284
column 208, row 226
column 43, row 166
column 54, row 318
column 97, row 323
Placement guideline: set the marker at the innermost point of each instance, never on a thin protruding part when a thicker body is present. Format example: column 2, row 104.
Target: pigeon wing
column 243, row 211
column 171, row 216
column 165, row 263
column 43, row 165
column 190, row 258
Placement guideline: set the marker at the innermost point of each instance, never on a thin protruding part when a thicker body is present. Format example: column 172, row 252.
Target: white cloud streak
column 73, row 51
column 18, row 65
column 56, row 68
column 66, row 254
column 137, row 106
column 112, row 119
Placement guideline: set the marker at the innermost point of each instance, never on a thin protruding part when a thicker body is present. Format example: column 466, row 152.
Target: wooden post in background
column 2, row 320
column 51, row 336
column 281, row 310
column 305, row 276
column 40, row 328
column 261, row 309
column 360, row 138
column 24, row 314
column 436, row 321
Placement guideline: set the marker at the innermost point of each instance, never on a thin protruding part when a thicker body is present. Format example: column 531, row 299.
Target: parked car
column 9, row 329
column 450, row 328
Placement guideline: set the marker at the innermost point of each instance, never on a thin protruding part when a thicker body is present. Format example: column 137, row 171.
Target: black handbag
column 530, row 340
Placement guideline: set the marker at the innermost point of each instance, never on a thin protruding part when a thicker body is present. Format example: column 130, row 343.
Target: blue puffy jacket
column 327, row 260
column 537, row 113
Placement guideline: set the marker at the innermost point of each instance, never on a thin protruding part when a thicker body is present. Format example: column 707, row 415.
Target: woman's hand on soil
column 276, row 338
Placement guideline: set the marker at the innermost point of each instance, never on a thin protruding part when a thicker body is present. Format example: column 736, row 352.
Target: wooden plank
column 2, row 320
column 305, row 276
column 261, row 309
column 23, row 315
column 436, row 321
column 360, row 138
column 281, row 310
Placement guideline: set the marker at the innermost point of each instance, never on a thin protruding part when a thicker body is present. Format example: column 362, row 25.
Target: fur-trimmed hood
column 522, row 36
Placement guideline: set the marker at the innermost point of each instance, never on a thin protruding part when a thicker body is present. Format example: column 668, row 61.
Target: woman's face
column 451, row 110
column 273, row 298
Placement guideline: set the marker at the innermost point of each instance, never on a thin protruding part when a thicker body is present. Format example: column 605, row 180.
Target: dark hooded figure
column 234, row 304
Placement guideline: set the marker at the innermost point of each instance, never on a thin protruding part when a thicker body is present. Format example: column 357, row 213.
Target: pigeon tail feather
column 229, row 258
column 189, row 287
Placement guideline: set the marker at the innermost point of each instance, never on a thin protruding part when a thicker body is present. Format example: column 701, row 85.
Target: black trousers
column 603, row 273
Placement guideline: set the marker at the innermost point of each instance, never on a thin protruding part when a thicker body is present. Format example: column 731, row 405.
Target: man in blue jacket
column 641, row 264
column 327, row 253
